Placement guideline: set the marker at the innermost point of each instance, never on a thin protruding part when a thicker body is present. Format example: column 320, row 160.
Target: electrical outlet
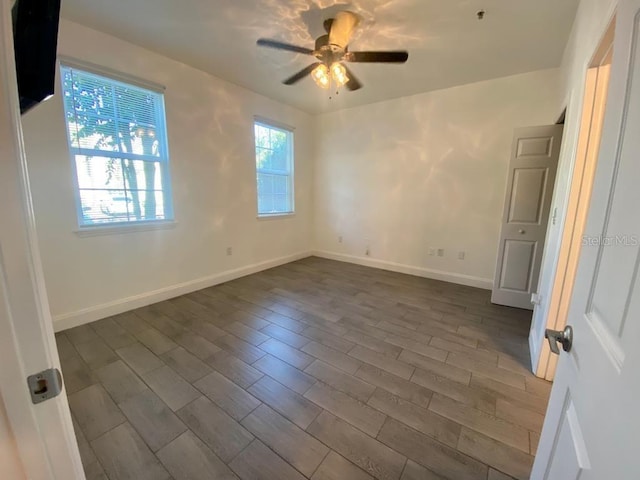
column 432, row 251
column 340, row 239
column 367, row 252
column 461, row 255
column 441, row 252
column 229, row 251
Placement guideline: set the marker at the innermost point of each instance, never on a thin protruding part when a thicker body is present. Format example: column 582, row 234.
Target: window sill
column 274, row 216
column 124, row 228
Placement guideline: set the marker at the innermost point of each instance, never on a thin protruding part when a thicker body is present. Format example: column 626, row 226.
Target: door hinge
column 536, row 298
column 45, row 385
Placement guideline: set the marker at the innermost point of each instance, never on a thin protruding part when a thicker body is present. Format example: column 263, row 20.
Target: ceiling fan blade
column 265, row 42
column 301, row 74
column 377, row 57
column 342, row 28
column 353, row 83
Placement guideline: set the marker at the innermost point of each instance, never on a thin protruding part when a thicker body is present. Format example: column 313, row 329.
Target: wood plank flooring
column 316, row 369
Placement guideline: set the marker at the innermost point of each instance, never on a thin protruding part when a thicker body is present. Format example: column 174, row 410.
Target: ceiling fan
column 332, row 52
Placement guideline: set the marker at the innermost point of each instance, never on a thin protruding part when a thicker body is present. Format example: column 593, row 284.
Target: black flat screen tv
column 35, row 39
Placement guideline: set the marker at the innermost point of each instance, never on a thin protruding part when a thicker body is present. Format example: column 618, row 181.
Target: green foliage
column 110, row 116
column 272, row 149
column 273, row 165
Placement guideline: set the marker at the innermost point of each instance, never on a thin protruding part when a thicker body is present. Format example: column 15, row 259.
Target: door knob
column 564, row 337
column 521, row 231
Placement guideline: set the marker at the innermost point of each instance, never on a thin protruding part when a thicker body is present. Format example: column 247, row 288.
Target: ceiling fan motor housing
column 322, row 41
column 327, row 53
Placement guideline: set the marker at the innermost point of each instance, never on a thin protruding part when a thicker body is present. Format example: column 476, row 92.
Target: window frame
column 289, row 131
column 163, row 161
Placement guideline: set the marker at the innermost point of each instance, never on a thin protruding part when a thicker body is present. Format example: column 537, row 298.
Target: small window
column 274, row 169
column 118, row 143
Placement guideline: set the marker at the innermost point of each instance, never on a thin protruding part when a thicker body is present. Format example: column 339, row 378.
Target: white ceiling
column 447, row 44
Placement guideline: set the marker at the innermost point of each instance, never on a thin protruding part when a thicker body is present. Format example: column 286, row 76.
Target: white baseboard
column 479, row 282
column 90, row 314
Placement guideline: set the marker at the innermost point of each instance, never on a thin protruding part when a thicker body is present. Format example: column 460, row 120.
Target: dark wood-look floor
column 316, row 369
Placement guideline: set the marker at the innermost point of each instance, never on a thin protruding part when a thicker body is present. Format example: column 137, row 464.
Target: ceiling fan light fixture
column 320, row 75
column 339, row 74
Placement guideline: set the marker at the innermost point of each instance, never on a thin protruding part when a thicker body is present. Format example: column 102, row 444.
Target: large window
column 118, row 144
column 274, row 169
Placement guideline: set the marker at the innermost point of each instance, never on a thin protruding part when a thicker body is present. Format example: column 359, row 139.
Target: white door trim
column 560, row 203
column 594, row 105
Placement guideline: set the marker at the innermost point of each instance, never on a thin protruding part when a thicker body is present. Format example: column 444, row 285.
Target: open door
column 532, row 173
column 37, row 440
column 592, row 428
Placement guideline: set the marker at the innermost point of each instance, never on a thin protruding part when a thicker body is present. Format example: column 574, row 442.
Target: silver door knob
column 521, row 231
column 564, row 337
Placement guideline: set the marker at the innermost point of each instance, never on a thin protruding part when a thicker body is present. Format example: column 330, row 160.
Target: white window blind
column 274, row 169
column 118, row 144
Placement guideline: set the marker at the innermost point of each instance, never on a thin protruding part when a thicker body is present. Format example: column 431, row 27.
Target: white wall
column 428, row 170
column 210, row 126
column 592, row 20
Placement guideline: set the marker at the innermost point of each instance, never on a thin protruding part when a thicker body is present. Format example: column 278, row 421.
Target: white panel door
column 532, row 173
column 592, row 427
column 45, row 444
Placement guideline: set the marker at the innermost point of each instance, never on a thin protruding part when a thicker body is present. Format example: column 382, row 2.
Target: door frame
column 43, row 434
column 615, row 358
column 596, row 83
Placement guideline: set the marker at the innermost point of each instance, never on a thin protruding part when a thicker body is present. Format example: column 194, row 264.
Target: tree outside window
column 274, row 169
column 117, row 139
